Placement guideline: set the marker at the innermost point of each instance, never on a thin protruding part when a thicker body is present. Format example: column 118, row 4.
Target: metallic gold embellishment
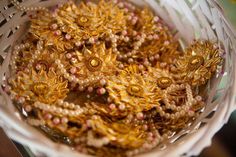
column 40, row 88
column 135, row 90
column 108, row 78
column 195, row 62
column 94, row 64
column 164, row 82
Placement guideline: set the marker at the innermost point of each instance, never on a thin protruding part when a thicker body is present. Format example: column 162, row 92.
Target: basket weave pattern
column 193, row 19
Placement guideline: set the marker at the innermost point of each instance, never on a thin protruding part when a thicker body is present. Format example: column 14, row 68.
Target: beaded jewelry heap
column 108, row 78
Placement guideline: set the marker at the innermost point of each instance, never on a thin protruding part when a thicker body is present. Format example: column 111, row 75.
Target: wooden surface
column 7, row 148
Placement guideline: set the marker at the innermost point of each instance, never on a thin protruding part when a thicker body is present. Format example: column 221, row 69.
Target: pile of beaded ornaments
column 108, row 78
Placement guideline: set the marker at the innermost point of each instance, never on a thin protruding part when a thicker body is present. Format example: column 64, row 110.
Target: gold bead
column 40, row 88
column 94, row 64
column 135, row 90
column 83, row 19
column 164, row 82
column 195, row 62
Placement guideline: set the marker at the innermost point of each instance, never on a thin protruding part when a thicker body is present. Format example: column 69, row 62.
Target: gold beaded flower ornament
column 161, row 77
column 91, row 20
column 119, row 134
column 45, row 87
column 158, row 38
column 90, row 64
column 130, row 90
column 44, row 27
column 199, row 63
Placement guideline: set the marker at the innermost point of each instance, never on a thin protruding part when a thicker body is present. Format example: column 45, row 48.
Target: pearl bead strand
column 58, row 110
column 181, row 110
column 73, row 79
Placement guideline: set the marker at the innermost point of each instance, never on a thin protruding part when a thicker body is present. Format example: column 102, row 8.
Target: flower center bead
column 195, row 62
column 94, row 64
column 164, row 82
column 135, row 90
column 83, row 19
column 40, row 88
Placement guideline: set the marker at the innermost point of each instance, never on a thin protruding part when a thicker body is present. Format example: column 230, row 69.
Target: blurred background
column 223, row 143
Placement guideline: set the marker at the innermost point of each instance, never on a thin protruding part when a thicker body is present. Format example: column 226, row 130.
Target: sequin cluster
column 108, row 78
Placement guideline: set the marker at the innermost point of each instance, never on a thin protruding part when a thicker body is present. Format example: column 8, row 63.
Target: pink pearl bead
column 130, row 60
column 92, row 40
column 151, row 58
column 48, row 116
column 145, row 127
column 121, row 107
column 124, row 32
column 135, row 33
column 166, row 43
column 134, row 21
column 56, row 121
column 68, row 37
column 78, row 43
column 112, row 106
column 73, row 70
column 121, row 5
column 115, row 1
column 156, row 36
column 129, row 18
column 141, row 67
column 38, row 67
column 21, row 100
column 103, row 82
column 157, row 56
column 90, row 89
column 54, row 26
column 198, row 98
column 88, row 123
column 140, row 116
column 81, row 88
column 150, row 134
column 101, row 91
column 121, row 66
column 68, row 55
column 109, row 100
column 150, row 37
column 58, row 32
column 28, row 108
column 156, row 19
column 64, row 120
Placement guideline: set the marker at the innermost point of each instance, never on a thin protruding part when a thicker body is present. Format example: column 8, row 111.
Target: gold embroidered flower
column 161, row 77
column 38, row 60
column 97, row 61
column 136, row 92
column 45, row 87
column 158, row 40
column 91, row 20
column 120, row 134
column 44, row 27
column 198, row 63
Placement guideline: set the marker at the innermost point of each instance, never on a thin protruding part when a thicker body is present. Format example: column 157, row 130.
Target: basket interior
column 191, row 19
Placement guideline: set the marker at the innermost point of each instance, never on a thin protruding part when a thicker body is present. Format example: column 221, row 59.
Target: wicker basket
column 193, row 19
